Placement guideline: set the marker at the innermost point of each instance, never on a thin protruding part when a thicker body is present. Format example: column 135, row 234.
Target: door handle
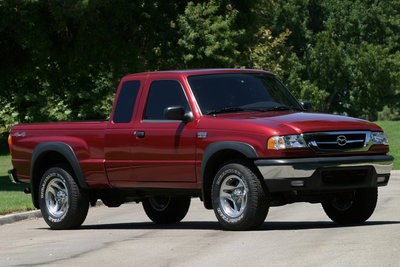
column 139, row 134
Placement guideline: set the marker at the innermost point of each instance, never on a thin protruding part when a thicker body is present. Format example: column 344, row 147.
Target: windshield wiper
column 237, row 109
column 232, row 109
column 278, row 108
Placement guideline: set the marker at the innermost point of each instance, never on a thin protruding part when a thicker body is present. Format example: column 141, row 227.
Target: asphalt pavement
column 293, row 235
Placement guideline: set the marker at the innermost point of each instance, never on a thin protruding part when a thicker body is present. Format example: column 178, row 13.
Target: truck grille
column 338, row 141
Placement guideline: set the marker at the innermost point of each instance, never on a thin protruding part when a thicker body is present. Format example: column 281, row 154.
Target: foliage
column 207, row 37
column 389, row 114
column 391, row 129
column 270, row 53
column 352, row 60
column 62, row 60
column 8, row 115
column 346, row 53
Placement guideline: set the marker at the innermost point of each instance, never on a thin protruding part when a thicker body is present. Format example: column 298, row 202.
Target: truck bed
column 86, row 137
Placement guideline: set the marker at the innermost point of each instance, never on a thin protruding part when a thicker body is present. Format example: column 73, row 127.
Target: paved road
column 294, row 235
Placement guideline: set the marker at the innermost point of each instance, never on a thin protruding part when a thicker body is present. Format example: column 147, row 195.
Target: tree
column 207, row 36
column 62, row 60
column 345, row 53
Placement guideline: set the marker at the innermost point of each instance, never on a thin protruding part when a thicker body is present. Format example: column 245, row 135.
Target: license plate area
column 346, row 176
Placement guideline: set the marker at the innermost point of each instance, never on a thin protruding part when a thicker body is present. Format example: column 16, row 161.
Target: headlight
column 379, row 138
column 286, row 141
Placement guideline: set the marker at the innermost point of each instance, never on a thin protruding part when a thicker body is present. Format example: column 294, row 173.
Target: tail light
column 10, row 143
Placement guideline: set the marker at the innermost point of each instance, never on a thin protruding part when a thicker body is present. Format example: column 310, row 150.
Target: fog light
column 297, row 183
column 381, row 179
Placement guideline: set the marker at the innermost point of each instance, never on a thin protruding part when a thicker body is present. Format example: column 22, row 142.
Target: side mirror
column 177, row 113
column 305, row 105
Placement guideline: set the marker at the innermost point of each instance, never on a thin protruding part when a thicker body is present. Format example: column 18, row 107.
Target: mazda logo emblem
column 341, row 140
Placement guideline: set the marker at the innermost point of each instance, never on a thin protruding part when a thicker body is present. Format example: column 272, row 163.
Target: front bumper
column 325, row 173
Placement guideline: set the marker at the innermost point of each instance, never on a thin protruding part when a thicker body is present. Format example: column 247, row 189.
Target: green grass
column 392, row 130
column 12, row 197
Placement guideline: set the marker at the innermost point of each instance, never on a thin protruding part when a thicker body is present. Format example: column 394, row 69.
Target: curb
column 15, row 217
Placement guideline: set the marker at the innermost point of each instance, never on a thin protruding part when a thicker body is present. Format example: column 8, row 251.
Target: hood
column 285, row 122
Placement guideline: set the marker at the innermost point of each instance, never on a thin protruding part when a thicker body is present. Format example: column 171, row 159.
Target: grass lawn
column 392, row 130
column 12, row 197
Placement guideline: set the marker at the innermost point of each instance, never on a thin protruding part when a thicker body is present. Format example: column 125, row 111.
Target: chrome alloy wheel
column 233, row 195
column 56, row 197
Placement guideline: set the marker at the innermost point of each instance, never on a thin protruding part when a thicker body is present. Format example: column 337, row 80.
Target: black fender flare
column 63, row 149
column 246, row 149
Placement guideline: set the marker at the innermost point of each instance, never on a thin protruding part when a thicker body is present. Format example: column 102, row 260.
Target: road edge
column 33, row 214
column 15, row 217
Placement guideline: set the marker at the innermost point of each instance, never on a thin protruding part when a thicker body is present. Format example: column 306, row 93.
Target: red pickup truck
column 235, row 138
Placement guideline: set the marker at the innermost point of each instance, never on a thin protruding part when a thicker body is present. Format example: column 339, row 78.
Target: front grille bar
column 348, row 142
column 315, row 145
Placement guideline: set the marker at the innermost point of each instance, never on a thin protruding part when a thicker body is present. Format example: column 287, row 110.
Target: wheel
column 239, row 200
column 166, row 210
column 62, row 203
column 351, row 207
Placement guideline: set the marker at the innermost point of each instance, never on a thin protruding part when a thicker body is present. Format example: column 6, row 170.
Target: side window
column 126, row 101
column 163, row 94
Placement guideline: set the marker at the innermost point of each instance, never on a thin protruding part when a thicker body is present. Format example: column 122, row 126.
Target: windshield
column 235, row 92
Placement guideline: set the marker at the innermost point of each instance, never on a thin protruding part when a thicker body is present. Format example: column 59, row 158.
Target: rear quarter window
column 126, row 102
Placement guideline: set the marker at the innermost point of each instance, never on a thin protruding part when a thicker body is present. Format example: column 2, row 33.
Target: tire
column 353, row 207
column 239, row 200
column 62, row 203
column 166, row 210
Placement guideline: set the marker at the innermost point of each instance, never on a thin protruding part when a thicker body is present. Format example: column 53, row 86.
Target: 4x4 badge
column 341, row 140
column 202, row 135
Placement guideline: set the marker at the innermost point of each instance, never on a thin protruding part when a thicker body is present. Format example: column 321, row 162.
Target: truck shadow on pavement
column 270, row 226
column 207, row 225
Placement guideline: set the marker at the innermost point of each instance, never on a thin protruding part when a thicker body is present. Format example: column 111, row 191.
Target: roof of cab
column 194, row 72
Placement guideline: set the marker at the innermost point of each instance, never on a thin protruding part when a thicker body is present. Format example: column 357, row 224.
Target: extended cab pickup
column 237, row 139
